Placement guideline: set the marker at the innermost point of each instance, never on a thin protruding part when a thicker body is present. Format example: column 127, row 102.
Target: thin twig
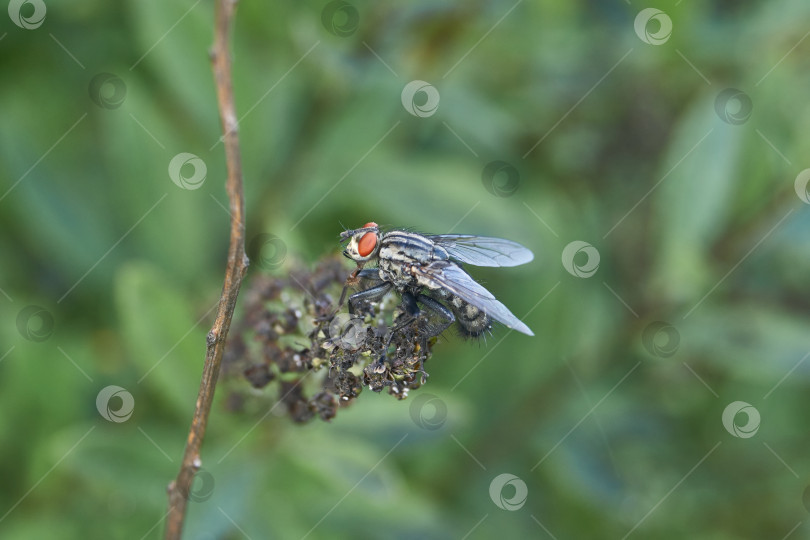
column 234, row 273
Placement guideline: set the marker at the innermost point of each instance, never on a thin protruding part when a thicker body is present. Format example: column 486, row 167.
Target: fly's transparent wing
column 449, row 276
column 483, row 250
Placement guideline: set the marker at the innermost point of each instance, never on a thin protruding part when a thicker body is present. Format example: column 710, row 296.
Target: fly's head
column 364, row 243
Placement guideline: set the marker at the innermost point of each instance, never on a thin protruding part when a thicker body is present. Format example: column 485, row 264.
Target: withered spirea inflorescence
column 289, row 335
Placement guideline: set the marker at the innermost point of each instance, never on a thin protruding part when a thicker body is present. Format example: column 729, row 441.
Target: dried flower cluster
column 289, row 330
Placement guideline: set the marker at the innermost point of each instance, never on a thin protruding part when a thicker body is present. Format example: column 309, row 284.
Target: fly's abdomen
column 472, row 321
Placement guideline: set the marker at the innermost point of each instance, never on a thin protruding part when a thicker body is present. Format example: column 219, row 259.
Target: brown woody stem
column 234, row 273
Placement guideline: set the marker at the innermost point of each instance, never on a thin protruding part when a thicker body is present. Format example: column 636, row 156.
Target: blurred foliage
column 695, row 219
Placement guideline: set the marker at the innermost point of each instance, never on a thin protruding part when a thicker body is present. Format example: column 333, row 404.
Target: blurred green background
column 615, row 133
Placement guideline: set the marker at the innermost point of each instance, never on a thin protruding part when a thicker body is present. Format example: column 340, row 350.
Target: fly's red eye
column 367, row 244
column 370, row 224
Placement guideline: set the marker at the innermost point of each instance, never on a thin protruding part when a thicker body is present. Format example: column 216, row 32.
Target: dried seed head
column 287, row 331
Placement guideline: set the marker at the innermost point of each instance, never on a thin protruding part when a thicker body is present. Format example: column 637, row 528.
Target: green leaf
column 164, row 337
column 698, row 175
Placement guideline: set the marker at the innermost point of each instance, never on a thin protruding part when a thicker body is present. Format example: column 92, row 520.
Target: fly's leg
column 410, row 305
column 370, row 274
column 372, row 294
column 434, row 329
column 411, row 310
column 441, row 310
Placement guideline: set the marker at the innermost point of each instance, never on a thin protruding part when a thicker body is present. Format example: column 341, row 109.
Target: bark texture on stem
column 237, row 264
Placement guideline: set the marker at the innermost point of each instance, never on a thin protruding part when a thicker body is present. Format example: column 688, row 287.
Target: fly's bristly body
column 426, row 271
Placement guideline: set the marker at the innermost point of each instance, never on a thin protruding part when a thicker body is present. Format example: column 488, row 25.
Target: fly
column 426, row 271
